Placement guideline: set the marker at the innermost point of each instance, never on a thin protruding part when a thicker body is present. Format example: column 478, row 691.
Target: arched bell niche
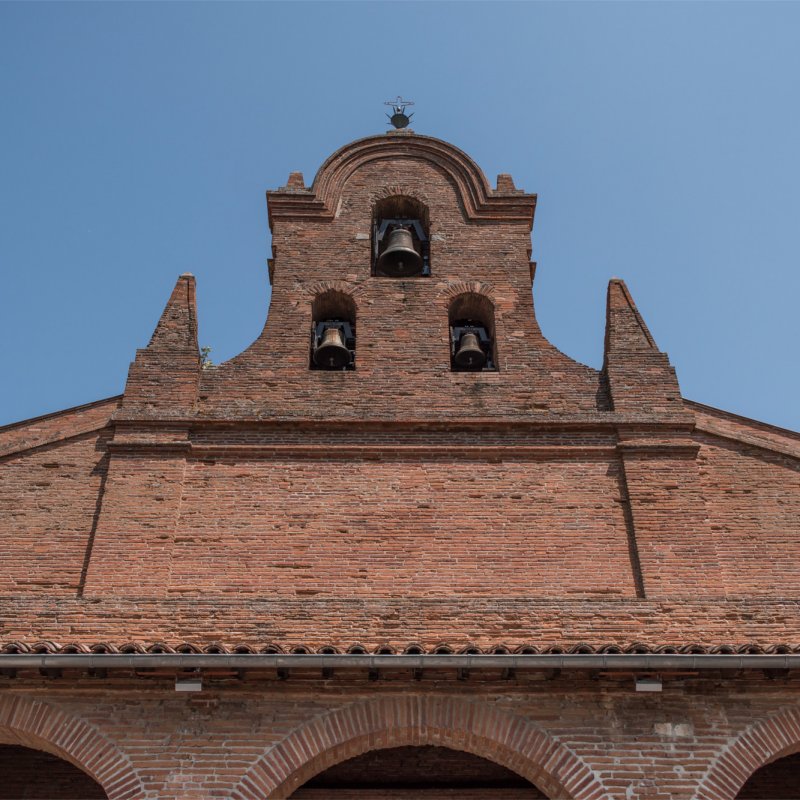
column 400, row 238
column 333, row 331
column 36, row 775
column 473, row 345
column 426, row 771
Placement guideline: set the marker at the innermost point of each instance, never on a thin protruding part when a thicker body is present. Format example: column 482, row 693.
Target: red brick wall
column 579, row 737
column 403, row 528
column 753, row 501
column 433, row 549
column 49, row 497
column 402, row 355
column 544, row 483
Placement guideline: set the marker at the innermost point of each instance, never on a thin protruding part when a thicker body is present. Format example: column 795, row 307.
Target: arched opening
column 778, row 780
column 426, row 771
column 333, row 331
column 400, row 238
column 29, row 774
column 473, row 345
column 479, row 728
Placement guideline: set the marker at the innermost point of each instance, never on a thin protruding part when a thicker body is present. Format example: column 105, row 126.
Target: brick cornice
column 607, row 421
column 487, row 439
column 427, row 452
column 261, row 621
column 480, row 202
column 149, row 448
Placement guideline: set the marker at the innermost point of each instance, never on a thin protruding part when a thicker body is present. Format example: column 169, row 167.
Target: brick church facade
column 401, row 546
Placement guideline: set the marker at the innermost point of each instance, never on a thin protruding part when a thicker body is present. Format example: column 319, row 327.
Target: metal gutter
column 593, row 661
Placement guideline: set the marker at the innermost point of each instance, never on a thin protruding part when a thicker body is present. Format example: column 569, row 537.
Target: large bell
column 469, row 354
column 331, row 352
column 400, row 259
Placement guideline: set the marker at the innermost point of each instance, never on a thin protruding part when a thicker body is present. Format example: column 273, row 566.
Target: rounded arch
column 478, row 728
column 760, row 744
column 454, row 290
column 473, row 305
column 319, row 288
column 333, row 302
column 41, row 726
column 401, row 204
column 333, row 331
column 476, row 195
column 413, row 193
column 471, row 312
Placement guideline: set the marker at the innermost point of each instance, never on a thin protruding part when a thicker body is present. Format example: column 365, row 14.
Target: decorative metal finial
column 399, row 118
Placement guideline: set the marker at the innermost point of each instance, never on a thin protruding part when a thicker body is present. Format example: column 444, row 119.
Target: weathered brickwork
column 231, row 621
column 259, row 505
column 49, row 497
column 569, row 737
column 753, row 498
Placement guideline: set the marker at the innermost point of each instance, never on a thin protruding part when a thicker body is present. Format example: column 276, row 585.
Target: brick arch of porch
column 42, row 726
column 478, row 728
column 760, row 744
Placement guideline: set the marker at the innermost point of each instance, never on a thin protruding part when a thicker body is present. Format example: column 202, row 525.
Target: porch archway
column 42, row 726
column 760, row 744
column 479, row 728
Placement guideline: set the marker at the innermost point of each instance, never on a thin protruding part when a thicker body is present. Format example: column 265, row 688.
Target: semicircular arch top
column 478, row 728
column 761, row 743
column 480, row 201
column 42, row 726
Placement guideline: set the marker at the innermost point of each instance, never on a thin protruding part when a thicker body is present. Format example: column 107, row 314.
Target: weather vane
column 399, row 118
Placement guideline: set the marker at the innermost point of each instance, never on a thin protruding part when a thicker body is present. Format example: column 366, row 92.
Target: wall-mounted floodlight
column 648, row 685
column 189, row 684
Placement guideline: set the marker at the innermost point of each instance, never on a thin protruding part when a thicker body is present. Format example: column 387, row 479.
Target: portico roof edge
column 593, row 661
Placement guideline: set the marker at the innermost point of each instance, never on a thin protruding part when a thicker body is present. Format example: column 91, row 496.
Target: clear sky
column 662, row 138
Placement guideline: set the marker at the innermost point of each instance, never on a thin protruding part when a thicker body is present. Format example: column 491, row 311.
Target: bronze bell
column 469, row 354
column 400, row 259
column 332, row 352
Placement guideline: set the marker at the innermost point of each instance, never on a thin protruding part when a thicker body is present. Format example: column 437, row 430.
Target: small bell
column 469, row 354
column 400, row 259
column 332, row 352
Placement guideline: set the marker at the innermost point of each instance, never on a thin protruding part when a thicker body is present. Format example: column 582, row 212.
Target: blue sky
column 139, row 138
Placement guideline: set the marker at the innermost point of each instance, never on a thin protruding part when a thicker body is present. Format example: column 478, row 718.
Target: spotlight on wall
column 193, row 684
column 648, row 684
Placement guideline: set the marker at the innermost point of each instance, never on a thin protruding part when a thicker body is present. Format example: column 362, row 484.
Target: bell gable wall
column 260, row 506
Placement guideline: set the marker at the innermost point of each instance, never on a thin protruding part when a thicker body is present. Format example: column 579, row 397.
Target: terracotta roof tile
column 101, row 648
